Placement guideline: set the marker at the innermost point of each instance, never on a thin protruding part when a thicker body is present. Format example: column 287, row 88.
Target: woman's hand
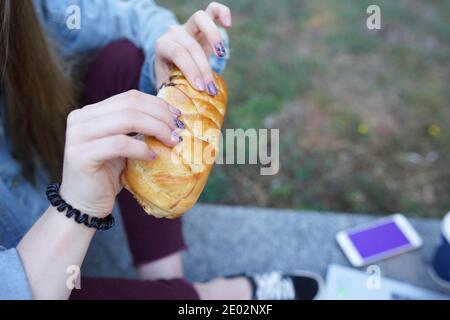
column 97, row 144
column 189, row 47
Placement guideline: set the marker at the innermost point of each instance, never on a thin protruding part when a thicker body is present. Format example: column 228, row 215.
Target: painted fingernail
column 176, row 138
column 151, row 155
column 179, row 124
column 212, row 89
column 220, row 50
column 175, row 111
column 200, row 85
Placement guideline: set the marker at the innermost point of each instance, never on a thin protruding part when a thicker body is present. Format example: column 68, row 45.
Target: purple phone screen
column 378, row 239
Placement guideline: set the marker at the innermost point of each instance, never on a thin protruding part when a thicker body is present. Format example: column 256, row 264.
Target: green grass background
column 363, row 115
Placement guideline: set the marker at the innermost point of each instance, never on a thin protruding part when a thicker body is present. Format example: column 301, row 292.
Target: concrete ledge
column 227, row 240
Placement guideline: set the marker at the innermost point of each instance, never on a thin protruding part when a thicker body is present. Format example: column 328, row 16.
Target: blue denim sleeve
column 103, row 21
column 13, row 280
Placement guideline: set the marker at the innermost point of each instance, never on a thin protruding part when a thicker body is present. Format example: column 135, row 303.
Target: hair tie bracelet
column 61, row 205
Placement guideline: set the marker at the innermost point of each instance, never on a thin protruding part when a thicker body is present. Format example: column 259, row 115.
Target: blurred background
column 363, row 115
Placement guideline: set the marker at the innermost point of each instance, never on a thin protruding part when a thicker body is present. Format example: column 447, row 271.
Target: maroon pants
column 116, row 69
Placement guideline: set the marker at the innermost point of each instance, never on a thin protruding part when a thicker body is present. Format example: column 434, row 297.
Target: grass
column 363, row 115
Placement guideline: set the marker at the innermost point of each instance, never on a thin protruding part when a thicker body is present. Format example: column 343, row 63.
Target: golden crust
column 170, row 185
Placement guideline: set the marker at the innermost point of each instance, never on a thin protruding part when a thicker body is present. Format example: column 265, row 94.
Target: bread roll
column 170, row 185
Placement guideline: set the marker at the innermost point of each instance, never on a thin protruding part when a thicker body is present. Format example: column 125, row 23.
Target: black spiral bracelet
column 81, row 218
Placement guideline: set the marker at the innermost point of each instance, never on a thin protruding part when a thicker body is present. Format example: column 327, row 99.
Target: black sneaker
column 297, row 285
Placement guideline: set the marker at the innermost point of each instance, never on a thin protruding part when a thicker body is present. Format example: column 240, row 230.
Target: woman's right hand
column 97, row 145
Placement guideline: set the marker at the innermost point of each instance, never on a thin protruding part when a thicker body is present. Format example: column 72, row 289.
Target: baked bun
column 170, row 185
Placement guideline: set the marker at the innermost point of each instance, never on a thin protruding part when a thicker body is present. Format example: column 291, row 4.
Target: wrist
column 71, row 198
column 68, row 227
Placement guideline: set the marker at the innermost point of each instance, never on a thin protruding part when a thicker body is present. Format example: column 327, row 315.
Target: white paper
column 343, row 283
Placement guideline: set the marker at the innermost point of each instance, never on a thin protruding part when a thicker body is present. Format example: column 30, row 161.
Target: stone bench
column 226, row 240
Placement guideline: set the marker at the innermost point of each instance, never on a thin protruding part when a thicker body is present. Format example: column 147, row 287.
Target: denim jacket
column 21, row 204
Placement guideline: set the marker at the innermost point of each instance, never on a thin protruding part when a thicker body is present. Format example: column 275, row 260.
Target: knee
column 114, row 69
column 119, row 55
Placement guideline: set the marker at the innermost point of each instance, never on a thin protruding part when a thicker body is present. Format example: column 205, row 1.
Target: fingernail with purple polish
column 220, row 50
column 176, row 138
column 179, row 124
column 212, row 89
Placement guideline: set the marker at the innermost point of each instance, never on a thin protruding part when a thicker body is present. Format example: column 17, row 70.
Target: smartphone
column 378, row 240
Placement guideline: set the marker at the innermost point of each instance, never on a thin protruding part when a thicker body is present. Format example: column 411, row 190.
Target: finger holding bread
column 170, row 185
column 132, row 100
column 189, row 48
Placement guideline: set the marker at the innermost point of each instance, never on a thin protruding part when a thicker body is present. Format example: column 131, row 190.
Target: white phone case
column 354, row 256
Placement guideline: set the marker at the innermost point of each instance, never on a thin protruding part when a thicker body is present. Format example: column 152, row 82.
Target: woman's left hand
column 189, row 47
